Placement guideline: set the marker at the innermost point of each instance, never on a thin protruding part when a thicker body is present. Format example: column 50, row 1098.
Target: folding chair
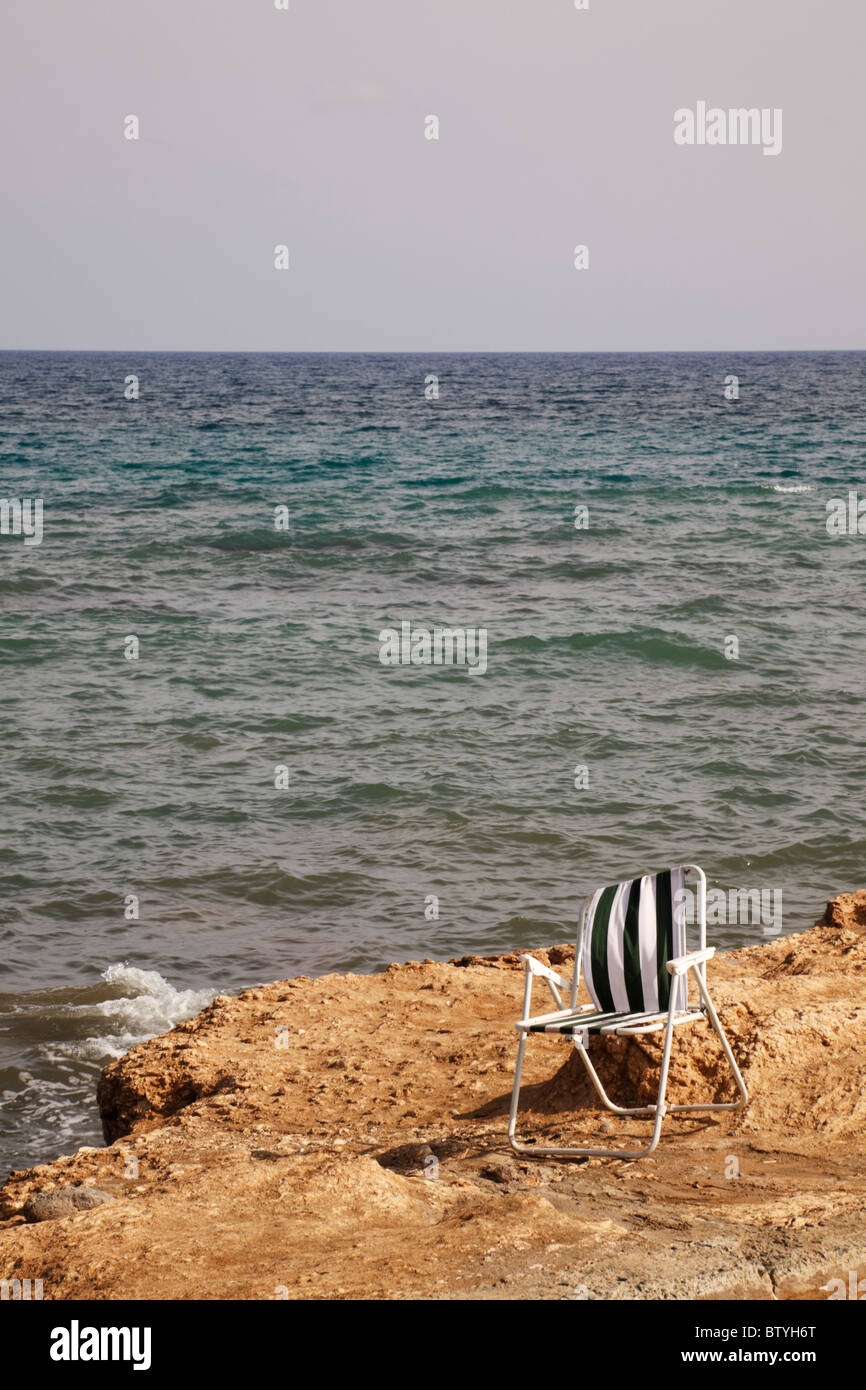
column 632, row 951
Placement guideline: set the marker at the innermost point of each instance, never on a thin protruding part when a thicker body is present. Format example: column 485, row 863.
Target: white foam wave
column 149, row 1005
column 795, row 487
column 51, row 1106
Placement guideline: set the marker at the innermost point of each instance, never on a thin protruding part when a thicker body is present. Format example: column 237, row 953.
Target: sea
column 211, row 780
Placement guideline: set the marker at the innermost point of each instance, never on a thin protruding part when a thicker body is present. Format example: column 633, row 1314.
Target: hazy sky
column 306, row 127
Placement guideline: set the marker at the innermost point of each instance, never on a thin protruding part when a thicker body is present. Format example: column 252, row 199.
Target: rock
column 58, row 1202
column 503, row 1171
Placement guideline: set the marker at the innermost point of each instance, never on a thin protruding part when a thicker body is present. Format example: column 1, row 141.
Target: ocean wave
column 145, row 1005
column 27, row 582
column 266, row 539
column 68, row 1035
column 93, row 1022
column 656, row 647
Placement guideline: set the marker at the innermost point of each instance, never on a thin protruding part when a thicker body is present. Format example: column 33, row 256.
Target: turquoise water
column 259, row 648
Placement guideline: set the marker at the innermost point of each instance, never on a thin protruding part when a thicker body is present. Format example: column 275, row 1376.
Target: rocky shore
column 344, row 1137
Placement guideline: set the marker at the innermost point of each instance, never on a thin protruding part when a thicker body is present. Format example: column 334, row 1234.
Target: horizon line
column 435, row 352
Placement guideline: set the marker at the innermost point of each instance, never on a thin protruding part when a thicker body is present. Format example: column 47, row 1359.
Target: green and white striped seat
column 633, row 955
column 631, row 931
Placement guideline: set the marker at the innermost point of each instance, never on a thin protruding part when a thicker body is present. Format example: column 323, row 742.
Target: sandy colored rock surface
column 344, row 1137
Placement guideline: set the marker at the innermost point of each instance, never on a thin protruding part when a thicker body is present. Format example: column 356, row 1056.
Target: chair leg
column 515, row 1095
column 726, row 1048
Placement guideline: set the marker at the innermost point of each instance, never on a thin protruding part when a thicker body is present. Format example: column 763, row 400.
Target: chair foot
column 554, row 1151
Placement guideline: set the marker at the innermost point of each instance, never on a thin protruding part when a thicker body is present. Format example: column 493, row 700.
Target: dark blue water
column 259, row 648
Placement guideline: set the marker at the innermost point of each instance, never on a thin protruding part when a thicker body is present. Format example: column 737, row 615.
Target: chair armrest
column 680, row 964
column 536, row 967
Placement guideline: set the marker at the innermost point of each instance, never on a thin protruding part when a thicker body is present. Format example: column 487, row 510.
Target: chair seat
column 596, row 1022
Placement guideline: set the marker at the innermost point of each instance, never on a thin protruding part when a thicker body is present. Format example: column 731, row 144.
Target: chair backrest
column 630, row 932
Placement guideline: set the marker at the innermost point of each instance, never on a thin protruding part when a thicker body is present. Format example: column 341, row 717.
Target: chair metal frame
column 634, row 1025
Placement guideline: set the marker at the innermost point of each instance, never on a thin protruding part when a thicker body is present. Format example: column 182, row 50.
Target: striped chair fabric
column 632, row 930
